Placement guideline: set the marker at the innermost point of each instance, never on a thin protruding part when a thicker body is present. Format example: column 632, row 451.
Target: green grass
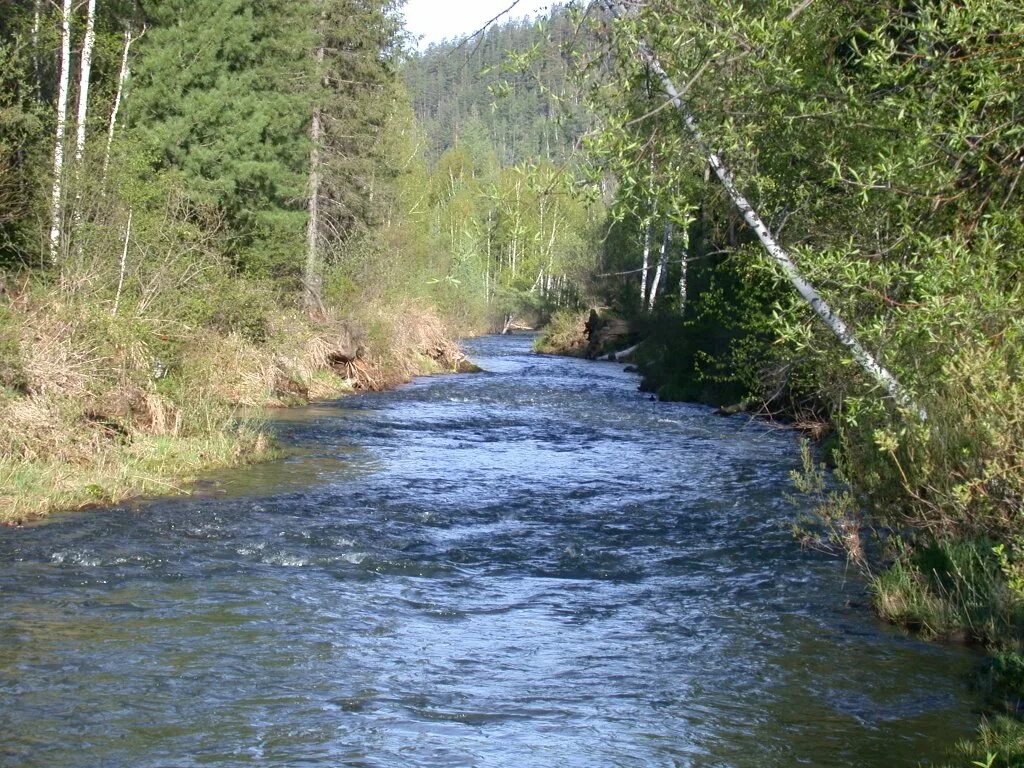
column 151, row 465
column 954, row 590
column 999, row 744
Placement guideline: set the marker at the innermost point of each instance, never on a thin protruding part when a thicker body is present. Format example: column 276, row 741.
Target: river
column 532, row 566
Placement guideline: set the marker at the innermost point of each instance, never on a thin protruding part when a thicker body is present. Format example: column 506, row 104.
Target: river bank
column 958, row 586
column 97, row 407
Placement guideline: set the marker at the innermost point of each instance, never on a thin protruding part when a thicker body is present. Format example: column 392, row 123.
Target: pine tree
column 222, row 100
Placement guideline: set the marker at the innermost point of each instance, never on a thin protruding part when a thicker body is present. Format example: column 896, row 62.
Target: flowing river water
column 533, row 566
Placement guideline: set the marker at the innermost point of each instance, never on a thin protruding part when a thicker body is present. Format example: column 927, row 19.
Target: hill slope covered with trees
column 509, row 89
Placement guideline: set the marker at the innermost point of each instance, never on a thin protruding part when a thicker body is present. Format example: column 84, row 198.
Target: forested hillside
column 510, row 88
column 501, row 120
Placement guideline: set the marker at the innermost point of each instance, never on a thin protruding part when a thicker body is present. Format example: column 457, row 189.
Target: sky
column 438, row 19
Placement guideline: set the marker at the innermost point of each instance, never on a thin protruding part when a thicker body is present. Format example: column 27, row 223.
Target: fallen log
column 623, row 355
column 731, row 410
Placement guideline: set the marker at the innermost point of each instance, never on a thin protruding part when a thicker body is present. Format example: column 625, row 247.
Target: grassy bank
column 98, row 406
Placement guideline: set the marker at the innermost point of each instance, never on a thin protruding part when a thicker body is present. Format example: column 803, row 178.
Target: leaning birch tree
column 867, row 361
column 122, row 78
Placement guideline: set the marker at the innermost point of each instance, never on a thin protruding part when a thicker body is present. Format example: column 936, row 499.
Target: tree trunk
column 622, row 355
column 774, row 249
column 122, row 77
column 57, row 196
column 684, row 266
column 85, row 72
column 666, row 242
column 124, row 264
column 313, row 281
column 647, row 263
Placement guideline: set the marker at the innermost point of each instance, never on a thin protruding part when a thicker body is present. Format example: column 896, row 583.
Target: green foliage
column 357, row 101
column 508, row 93
column 883, row 144
column 215, row 99
column 21, row 124
column 1000, row 744
column 564, row 334
column 951, row 589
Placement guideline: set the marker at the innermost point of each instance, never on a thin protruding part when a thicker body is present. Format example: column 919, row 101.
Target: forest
column 194, row 220
column 809, row 213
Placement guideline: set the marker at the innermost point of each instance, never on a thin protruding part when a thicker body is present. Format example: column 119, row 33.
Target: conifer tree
column 219, row 99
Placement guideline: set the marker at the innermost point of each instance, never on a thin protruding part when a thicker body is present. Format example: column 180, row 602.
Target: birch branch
column 122, row 78
column 124, row 264
column 835, row 323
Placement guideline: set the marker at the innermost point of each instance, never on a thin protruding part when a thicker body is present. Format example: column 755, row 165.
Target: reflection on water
column 535, row 566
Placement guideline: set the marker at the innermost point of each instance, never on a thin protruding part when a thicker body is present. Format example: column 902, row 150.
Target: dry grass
column 108, row 408
column 405, row 342
column 565, row 334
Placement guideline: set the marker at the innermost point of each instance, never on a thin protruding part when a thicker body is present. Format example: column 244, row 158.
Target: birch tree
column 84, row 77
column 662, row 269
column 122, row 78
column 37, row 21
column 867, row 361
column 64, row 77
column 645, row 267
column 312, row 280
column 684, row 266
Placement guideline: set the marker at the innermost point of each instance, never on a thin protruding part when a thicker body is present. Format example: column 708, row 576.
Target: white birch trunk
column 538, row 282
column 836, row 324
column 85, row 73
column 122, row 78
column 684, row 266
column 666, row 242
column 647, row 263
column 37, row 21
column 57, row 196
column 487, row 275
column 124, row 264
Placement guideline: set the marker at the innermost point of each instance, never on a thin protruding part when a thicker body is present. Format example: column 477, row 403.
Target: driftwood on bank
column 731, row 410
column 623, row 355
